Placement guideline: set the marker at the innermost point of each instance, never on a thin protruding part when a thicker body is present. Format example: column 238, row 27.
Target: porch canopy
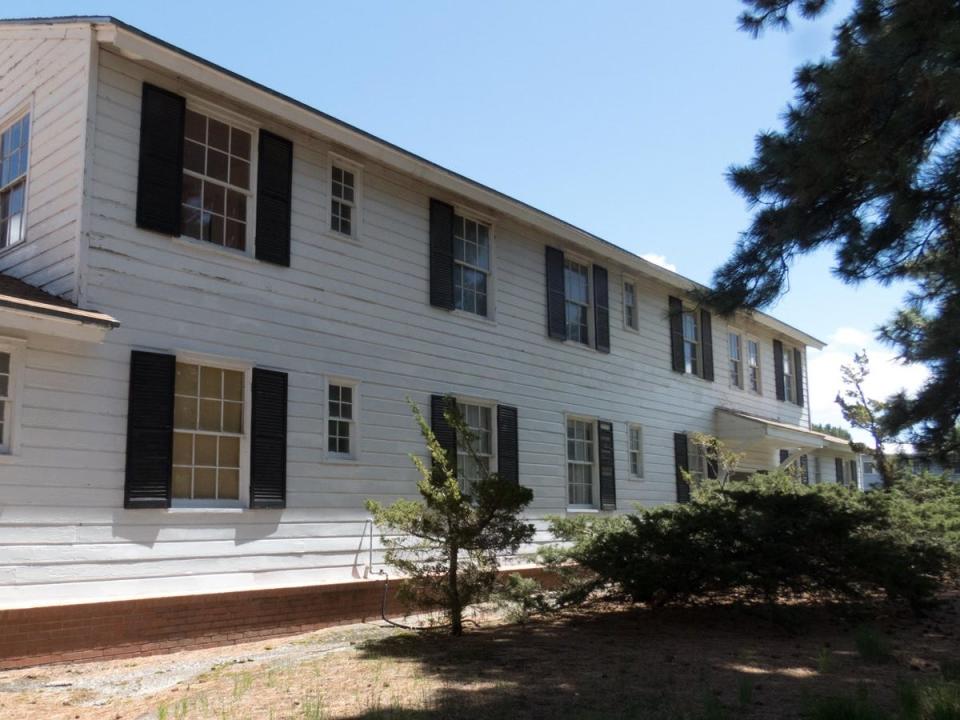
column 761, row 439
column 27, row 309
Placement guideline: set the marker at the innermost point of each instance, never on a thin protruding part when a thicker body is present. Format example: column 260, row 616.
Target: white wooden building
column 239, row 293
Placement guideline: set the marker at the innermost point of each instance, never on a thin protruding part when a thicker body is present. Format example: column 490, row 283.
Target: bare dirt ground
column 609, row 662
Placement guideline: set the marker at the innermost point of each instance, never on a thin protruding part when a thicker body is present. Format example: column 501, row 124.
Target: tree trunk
column 456, row 611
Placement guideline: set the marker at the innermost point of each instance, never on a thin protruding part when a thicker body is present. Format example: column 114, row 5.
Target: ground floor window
column 208, row 432
column 6, row 401
column 581, row 462
column 341, row 420
column 479, row 420
column 636, row 451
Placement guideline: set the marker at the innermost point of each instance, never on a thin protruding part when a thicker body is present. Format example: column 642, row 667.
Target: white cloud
column 660, row 260
column 887, row 375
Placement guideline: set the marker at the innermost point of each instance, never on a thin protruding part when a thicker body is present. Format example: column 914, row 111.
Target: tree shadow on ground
column 634, row 662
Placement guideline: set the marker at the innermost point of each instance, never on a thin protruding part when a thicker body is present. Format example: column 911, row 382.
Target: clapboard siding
column 349, row 309
column 46, row 69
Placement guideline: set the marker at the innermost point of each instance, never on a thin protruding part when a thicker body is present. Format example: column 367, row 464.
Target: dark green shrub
column 871, row 645
column 761, row 538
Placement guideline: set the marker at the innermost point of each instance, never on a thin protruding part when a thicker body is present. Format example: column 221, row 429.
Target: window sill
column 575, row 509
column 208, row 510
column 214, row 250
column 10, row 248
column 7, row 456
column 334, row 459
column 353, row 239
column 473, row 317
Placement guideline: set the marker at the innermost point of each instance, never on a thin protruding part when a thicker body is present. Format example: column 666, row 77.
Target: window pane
column 240, row 143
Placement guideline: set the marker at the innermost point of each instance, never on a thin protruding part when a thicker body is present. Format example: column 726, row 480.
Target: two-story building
column 215, row 302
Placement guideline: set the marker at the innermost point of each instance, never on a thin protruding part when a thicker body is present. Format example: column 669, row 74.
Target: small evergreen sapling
column 448, row 543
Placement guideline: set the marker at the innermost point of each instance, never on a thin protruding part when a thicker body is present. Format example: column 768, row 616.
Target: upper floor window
column 216, row 181
column 691, row 342
column 789, row 386
column 14, row 142
column 471, row 268
column 479, row 421
column 341, row 400
column 636, row 451
column 753, row 365
column 343, row 200
column 736, row 359
column 208, row 412
column 630, row 305
column 577, row 289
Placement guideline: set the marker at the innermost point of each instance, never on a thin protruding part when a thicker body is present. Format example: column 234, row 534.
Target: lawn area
column 614, row 661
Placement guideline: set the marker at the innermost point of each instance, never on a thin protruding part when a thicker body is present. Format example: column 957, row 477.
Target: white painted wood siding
column 349, row 309
column 45, row 69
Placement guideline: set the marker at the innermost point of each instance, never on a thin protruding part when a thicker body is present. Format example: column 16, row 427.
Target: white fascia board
column 21, row 321
column 137, row 47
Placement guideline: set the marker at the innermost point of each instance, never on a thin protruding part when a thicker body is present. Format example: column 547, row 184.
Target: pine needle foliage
column 447, row 544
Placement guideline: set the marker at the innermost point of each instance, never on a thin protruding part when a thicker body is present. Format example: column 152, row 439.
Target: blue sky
column 618, row 116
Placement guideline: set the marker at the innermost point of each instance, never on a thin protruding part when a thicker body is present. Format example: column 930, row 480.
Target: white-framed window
column 14, row 161
column 691, row 343
column 471, row 265
column 577, row 289
column 479, row 420
column 696, row 459
column 11, row 384
column 789, row 387
column 735, row 354
column 869, row 467
column 753, row 365
column 635, row 450
column 630, row 320
column 218, row 167
column 342, row 418
column 343, row 199
column 581, row 462
column 210, row 420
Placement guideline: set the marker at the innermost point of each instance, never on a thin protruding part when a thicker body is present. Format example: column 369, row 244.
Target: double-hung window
column 753, row 365
column 789, row 387
column 636, row 451
column 697, row 460
column 581, row 462
column 341, row 419
column 216, row 198
column 471, row 265
column 14, row 142
column 691, row 342
column 343, row 200
column 479, row 421
column 577, row 288
column 6, row 400
column 209, row 426
column 735, row 351
column 630, row 305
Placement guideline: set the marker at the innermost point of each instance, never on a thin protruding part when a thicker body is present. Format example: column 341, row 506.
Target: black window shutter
column 804, row 470
column 682, row 461
column 706, row 342
column 605, row 458
column 274, row 192
column 160, row 174
column 676, row 334
column 508, row 453
column 853, row 473
column 149, row 430
column 798, row 373
column 778, row 368
column 601, row 309
column 442, row 430
column 441, row 254
column 268, row 440
column 838, row 466
column 556, row 295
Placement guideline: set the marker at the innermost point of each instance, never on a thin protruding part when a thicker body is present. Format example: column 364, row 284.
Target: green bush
column 762, row 538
